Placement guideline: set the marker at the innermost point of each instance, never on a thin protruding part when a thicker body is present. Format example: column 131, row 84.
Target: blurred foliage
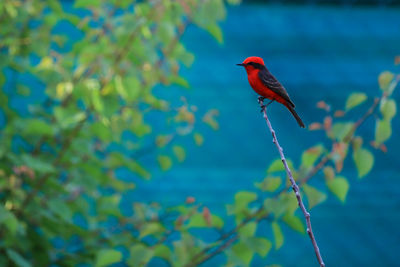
column 61, row 156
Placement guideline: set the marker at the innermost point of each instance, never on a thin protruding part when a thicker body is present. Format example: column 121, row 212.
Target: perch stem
column 295, row 188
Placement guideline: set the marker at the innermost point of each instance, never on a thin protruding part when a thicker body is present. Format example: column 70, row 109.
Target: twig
column 215, row 252
column 322, row 162
column 294, row 186
column 370, row 111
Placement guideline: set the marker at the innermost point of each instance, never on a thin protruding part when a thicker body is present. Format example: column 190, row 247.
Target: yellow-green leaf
column 243, row 252
column 151, row 228
column 364, row 161
column 388, row 108
column 243, row 198
column 165, row 162
column 383, row 131
column 269, row 184
column 140, row 255
column 309, row 156
column 106, row 257
column 384, row 80
column 314, row 196
column 278, row 235
column 339, row 186
column 354, row 100
column 341, row 129
column 179, row 153
column 87, row 3
column 277, row 165
column 259, row 245
column 216, row 32
column 294, row 222
column 198, row 139
column 248, row 230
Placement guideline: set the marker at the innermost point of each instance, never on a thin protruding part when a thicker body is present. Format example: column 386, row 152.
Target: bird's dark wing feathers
column 272, row 83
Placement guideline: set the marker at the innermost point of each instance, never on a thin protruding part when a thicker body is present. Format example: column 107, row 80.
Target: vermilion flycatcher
column 267, row 86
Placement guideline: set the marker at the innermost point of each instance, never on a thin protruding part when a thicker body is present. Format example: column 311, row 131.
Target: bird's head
column 252, row 64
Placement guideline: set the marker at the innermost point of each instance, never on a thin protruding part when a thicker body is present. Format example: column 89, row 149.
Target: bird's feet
column 261, row 102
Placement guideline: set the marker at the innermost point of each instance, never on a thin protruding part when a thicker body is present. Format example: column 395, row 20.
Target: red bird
column 267, row 86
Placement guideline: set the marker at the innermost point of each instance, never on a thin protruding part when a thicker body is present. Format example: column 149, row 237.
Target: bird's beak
column 240, row 64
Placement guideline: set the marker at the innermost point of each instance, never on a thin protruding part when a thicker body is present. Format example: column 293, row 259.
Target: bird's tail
column 295, row 115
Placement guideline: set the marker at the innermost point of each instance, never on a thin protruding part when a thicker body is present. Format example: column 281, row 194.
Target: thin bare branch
column 294, row 186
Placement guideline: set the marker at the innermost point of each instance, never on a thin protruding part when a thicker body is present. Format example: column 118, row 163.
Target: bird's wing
column 272, row 83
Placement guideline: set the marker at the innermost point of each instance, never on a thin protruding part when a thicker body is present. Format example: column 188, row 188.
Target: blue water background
column 318, row 53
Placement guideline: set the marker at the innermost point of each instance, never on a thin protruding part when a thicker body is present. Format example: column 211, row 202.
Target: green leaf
column 198, row 139
column 277, row 166
column 275, row 207
column 38, row 127
column 140, row 255
column 109, row 205
column 384, row 80
column 294, row 222
column 286, row 203
column 37, row 164
column 87, row 3
column 164, row 252
column 216, row 32
column 179, row 81
column 116, row 159
column 60, row 207
column 309, row 156
column 339, row 186
column 364, row 161
column 278, row 235
column 289, row 200
column 243, row 198
column 67, row 117
column 165, row 162
column 243, row 252
column 151, row 228
column 248, row 230
column 259, row 245
column 388, row 109
column 17, row 258
column 269, row 184
column 341, row 129
column 163, row 139
column 179, row 152
column 8, row 219
column 354, row 100
column 101, row 131
column 106, row 257
column 383, row 131
column 135, row 167
column 198, row 221
column 314, row 196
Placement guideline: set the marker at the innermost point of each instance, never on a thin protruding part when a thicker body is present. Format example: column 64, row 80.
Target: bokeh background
column 320, row 51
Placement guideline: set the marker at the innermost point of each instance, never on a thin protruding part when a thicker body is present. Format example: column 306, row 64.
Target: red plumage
column 266, row 85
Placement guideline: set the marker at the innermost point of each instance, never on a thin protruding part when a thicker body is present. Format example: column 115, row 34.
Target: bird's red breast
column 266, row 85
column 253, row 76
